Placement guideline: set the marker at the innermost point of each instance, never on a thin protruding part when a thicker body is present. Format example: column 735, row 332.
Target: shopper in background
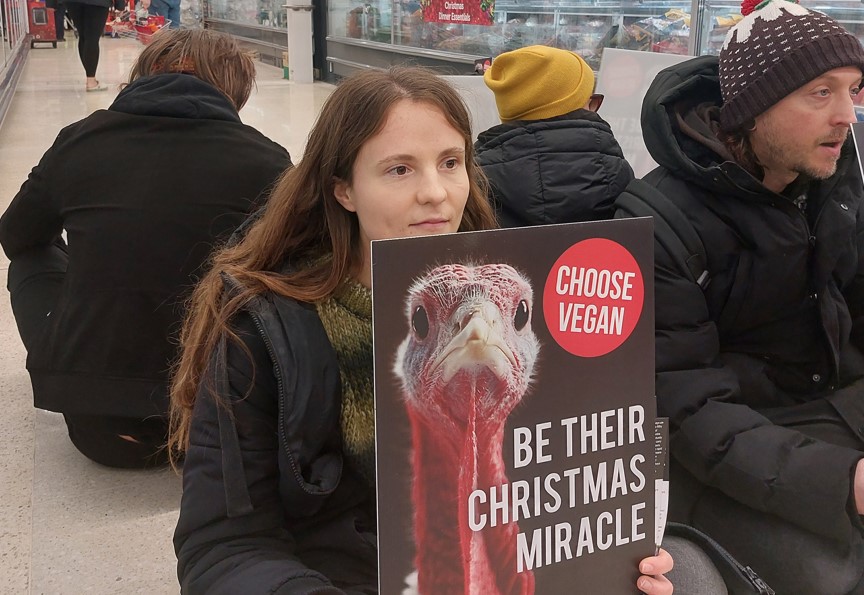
column 59, row 18
column 89, row 17
column 760, row 359
column 142, row 190
column 553, row 159
column 170, row 9
column 272, row 402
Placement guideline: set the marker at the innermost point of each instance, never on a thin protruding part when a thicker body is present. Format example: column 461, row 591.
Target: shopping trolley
column 41, row 21
column 137, row 25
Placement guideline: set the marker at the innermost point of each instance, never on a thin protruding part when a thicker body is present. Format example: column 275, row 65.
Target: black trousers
column 60, row 21
column 99, row 439
column 35, row 282
column 89, row 20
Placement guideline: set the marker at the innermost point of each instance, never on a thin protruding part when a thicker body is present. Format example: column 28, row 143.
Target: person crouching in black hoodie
column 552, row 159
column 143, row 190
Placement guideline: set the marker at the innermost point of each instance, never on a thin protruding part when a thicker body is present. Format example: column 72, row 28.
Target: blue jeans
column 170, row 9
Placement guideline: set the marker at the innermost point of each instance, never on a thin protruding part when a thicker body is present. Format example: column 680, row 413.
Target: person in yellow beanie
column 552, row 159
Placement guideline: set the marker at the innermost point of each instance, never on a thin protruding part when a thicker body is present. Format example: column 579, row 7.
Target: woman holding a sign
column 272, row 402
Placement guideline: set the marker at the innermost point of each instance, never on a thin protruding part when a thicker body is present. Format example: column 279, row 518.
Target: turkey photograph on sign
column 508, row 460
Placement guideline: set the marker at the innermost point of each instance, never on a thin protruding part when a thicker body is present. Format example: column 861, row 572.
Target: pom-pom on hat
column 537, row 82
column 775, row 49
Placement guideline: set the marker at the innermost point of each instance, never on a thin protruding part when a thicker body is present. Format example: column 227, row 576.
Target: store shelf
column 589, row 27
column 267, row 14
column 584, row 26
column 378, row 33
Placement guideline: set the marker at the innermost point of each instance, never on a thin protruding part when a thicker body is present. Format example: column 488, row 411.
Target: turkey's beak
column 478, row 344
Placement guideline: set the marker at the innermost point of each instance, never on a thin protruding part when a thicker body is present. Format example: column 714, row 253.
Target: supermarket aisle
column 70, row 526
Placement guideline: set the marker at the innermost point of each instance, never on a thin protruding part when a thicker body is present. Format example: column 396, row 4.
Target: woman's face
column 409, row 179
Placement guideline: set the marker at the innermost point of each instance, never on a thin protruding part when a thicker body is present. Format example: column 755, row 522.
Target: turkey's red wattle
column 457, row 424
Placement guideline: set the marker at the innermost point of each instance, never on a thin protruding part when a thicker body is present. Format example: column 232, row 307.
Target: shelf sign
column 458, row 12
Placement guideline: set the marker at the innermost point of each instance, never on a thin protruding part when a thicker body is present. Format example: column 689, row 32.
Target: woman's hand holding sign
column 653, row 582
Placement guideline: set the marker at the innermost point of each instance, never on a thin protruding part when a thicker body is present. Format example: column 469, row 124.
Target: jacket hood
column 675, row 90
column 175, row 96
column 677, row 130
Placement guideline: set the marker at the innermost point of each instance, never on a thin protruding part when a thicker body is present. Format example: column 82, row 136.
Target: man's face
column 803, row 133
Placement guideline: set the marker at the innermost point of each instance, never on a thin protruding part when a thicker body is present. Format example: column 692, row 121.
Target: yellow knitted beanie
column 538, row 81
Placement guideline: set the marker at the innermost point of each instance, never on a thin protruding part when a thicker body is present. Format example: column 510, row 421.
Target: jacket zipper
column 811, row 245
column 811, row 242
column 280, row 384
column 277, row 370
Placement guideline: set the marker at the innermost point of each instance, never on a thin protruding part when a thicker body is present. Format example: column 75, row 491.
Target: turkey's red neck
column 449, row 463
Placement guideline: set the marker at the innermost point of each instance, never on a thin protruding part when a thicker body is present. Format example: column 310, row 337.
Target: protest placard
column 515, row 414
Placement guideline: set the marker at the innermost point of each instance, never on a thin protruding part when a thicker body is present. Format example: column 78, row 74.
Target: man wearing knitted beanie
column 760, row 350
column 553, row 159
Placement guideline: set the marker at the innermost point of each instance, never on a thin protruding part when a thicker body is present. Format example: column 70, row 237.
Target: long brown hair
column 211, row 56
column 303, row 219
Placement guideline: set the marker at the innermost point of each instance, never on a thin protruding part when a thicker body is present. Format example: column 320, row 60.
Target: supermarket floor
column 69, row 526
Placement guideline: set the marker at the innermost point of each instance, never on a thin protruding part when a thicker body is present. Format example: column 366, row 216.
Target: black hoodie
column 776, row 338
column 143, row 190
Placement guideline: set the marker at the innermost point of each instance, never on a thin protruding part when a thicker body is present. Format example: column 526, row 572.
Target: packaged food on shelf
column 720, row 25
column 668, row 33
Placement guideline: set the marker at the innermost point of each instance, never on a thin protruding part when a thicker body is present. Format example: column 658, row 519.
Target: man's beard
column 822, row 174
column 789, row 157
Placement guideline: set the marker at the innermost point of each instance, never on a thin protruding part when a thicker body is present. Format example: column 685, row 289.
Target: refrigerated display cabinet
column 584, row 26
column 718, row 16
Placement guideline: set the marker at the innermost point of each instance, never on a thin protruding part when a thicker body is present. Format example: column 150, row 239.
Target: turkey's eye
column 520, row 319
column 420, row 322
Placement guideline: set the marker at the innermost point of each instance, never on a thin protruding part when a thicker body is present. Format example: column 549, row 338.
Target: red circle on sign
column 593, row 297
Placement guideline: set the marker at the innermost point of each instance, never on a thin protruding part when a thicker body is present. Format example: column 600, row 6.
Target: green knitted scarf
column 347, row 319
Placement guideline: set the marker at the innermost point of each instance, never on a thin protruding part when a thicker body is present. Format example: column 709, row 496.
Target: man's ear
column 342, row 192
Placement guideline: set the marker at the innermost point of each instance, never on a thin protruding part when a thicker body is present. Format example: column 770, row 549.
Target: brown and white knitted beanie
column 776, row 48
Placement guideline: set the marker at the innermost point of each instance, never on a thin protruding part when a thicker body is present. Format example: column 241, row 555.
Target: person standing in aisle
column 170, row 9
column 143, row 191
column 89, row 17
column 59, row 18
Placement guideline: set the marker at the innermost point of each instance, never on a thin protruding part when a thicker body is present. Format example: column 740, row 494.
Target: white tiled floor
column 69, row 526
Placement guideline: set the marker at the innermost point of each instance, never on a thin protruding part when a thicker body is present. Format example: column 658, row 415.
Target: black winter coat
column 143, row 190
column 775, row 341
column 558, row 170
column 268, row 507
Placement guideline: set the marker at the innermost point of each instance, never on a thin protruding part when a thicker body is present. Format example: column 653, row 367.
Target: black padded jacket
column 558, row 170
column 267, row 505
